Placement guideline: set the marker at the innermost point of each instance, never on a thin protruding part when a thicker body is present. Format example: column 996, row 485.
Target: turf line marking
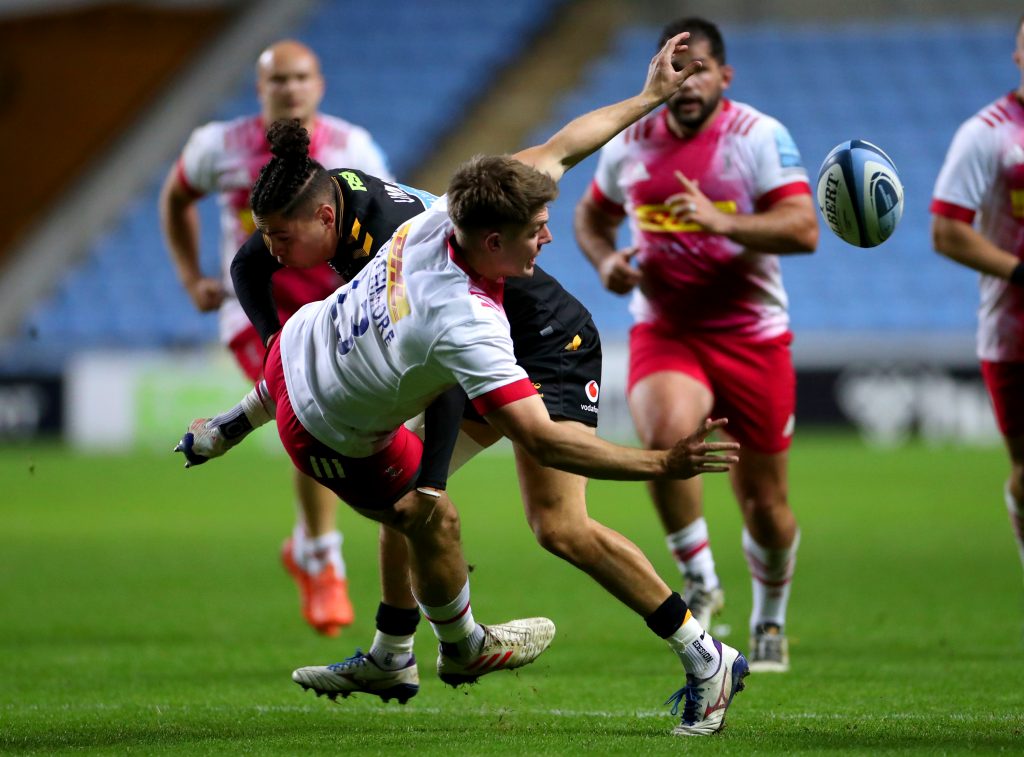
column 411, row 711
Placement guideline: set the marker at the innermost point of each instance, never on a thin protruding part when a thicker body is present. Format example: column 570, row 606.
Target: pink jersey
column 226, row 157
column 744, row 162
column 982, row 182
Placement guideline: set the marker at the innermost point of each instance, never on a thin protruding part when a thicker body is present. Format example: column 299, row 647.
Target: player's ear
column 325, row 214
column 492, row 241
column 727, row 74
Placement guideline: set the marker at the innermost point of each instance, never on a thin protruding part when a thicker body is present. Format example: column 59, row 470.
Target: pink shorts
column 1005, row 383
column 249, row 353
column 753, row 382
column 369, row 483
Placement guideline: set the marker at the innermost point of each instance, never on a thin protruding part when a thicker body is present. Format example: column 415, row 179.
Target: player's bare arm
column 788, row 226
column 961, row 242
column 582, row 136
column 180, row 222
column 560, row 445
column 596, row 230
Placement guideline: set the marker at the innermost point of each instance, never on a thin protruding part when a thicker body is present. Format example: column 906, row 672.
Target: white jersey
column 982, row 182
column 744, row 161
column 413, row 323
column 225, row 157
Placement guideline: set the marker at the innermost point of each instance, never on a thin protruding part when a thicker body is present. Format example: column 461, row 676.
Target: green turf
column 142, row 609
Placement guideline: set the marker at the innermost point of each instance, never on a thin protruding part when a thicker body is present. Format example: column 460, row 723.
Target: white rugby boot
column 769, row 649
column 706, row 700
column 360, row 674
column 506, row 646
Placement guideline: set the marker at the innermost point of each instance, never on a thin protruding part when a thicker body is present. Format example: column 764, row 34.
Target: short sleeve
column 606, row 178
column 778, row 167
column 480, row 355
column 969, row 170
column 198, row 161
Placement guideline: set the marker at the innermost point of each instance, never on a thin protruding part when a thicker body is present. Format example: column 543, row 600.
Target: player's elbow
column 807, row 236
column 803, row 229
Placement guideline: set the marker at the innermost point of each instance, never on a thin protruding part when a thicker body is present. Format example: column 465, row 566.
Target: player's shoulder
column 985, row 130
column 340, row 131
column 234, row 133
column 745, row 120
column 1003, row 112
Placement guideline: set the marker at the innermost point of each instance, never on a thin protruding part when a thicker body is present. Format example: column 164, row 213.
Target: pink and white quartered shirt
column 226, row 157
column 411, row 324
column 745, row 161
column 982, row 183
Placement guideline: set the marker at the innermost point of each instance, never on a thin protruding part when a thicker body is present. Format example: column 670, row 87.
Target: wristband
column 1017, row 274
column 435, row 493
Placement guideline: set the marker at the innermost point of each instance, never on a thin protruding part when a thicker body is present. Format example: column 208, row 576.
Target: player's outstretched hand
column 663, row 80
column 693, row 455
column 201, row 442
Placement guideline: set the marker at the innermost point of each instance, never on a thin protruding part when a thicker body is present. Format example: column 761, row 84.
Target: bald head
column 288, row 82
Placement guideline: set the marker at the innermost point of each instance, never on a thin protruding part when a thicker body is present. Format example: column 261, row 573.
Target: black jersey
column 540, row 312
column 372, row 210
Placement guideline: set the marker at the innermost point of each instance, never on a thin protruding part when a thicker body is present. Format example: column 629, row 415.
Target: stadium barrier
column 117, row 401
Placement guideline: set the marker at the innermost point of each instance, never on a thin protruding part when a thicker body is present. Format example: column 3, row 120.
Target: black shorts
column 565, row 368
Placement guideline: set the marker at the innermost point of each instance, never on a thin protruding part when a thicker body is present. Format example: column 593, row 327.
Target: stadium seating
column 889, row 85
column 406, row 71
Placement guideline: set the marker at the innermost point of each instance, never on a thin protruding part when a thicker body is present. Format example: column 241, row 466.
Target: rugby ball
column 860, row 194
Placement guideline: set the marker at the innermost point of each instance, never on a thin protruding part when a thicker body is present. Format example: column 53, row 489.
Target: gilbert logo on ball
column 592, row 390
column 860, row 194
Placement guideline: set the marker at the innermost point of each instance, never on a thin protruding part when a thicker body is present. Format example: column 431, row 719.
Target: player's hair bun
column 288, row 140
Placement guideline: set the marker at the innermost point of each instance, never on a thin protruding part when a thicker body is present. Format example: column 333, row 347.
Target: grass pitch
column 142, row 609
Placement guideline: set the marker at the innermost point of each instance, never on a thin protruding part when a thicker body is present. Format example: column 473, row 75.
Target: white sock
column 696, row 649
column 1015, row 509
column 453, row 623
column 322, row 551
column 692, row 551
column 299, row 542
column 391, row 652
column 771, row 572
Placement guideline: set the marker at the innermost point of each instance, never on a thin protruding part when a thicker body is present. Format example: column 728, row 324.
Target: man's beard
column 695, row 122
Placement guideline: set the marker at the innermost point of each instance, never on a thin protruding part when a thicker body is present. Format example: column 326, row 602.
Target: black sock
column 397, row 621
column 670, row 614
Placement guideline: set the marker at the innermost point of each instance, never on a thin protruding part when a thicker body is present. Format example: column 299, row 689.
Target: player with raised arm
column 978, row 221
column 426, row 313
column 713, row 190
column 224, row 158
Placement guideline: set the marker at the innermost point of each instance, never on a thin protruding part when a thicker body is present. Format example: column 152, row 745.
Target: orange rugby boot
column 329, row 608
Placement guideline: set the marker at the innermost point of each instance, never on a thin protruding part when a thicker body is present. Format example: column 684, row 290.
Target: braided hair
column 291, row 181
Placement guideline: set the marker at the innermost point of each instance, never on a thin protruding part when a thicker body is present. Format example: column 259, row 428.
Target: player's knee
column 765, row 501
column 656, row 437
column 434, row 519
column 565, row 540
